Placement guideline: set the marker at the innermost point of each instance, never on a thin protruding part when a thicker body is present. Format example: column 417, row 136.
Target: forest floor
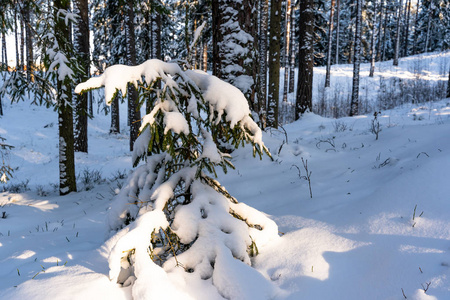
column 376, row 227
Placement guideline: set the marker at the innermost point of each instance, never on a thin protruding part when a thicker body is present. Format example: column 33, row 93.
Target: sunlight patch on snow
column 25, row 254
column 18, row 199
column 52, row 259
column 414, row 249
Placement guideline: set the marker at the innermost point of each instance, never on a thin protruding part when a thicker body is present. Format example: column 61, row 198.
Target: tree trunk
column 28, row 41
column 427, row 39
column 357, row 61
column 380, row 29
column 337, row 30
column 305, row 58
column 16, row 39
column 383, row 53
column 397, row 37
column 216, row 38
column 263, row 26
column 292, row 50
column 22, row 44
column 287, row 49
column 67, row 180
column 407, row 20
column 133, row 105
column 274, row 63
column 82, row 47
column 372, row 42
column 448, row 85
column 4, row 52
column 330, row 39
column 115, row 118
column 414, row 50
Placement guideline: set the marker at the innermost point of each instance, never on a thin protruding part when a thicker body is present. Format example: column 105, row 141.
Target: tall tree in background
column 287, row 49
column 338, row 9
column 448, row 85
column 330, row 39
column 305, row 58
column 397, row 36
column 133, row 105
column 372, row 41
column 380, row 29
column 274, row 63
column 263, row 26
column 292, row 46
column 26, row 15
column 81, row 45
column 357, row 61
column 407, row 23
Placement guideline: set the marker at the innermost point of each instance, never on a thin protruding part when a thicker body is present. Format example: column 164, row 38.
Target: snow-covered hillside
column 377, row 225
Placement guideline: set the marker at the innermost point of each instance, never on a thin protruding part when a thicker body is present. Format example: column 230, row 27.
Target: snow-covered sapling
column 375, row 127
column 175, row 223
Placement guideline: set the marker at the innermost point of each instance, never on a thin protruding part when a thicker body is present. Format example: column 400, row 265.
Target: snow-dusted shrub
column 176, row 225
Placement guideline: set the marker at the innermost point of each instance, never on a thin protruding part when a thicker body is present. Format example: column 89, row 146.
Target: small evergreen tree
column 173, row 212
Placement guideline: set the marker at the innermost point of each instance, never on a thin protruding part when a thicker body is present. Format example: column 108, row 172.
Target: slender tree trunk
column 337, row 30
column 205, row 57
column 28, row 42
column 263, row 26
column 67, row 180
column 415, row 28
column 330, row 39
column 383, row 53
column 305, row 58
column 22, row 44
column 448, row 85
column 407, row 21
column 292, row 50
column 16, row 39
column 372, row 42
column 427, row 40
column 82, row 47
column 4, row 51
column 133, row 106
column 397, row 37
column 287, row 49
column 274, row 63
column 115, row 118
column 380, row 28
column 354, row 105
column 216, row 37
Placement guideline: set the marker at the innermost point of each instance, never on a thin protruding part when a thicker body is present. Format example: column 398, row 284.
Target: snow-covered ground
column 377, row 225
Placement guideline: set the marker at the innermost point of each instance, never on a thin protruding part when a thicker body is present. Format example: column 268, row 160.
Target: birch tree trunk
column 292, row 50
column 380, row 29
column 303, row 101
column 354, row 105
column 397, row 36
column 330, row 39
column 274, row 63
column 263, row 26
column 286, row 52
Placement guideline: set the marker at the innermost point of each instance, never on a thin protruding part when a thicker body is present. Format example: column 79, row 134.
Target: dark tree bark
column 338, row 4
column 4, row 52
column 292, row 50
column 380, row 28
column 115, row 118
column 407, row 20
column 448, row 85
column 133, row 106
column 287, row 50
column 416, row 20
column 357, row 61
column 67, row 181
column 16, row 39
column 330, row 39
column 372, row 42
column 305, row 58
column 263, row 26
column 82, row 47
column 397, row 36
column 28, row 41
column 217, row 37
column 383, row 53
column 274, row 63
column 22, row 44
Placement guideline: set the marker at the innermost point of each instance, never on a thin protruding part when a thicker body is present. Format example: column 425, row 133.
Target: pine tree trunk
column 263, row 26
column 133, row 106
column 372, row 43
column 205, row 57
column 414, row 50
column 16, row 39
column 216, row 38
column 383, row 53
column 274, row 63
column 82, row 47
column 427, row 39
column 337, row 30
column 67, row 180
column 407, row 20
column 28, row 41
column 292, row 50
column 448, row 85
column 354, row 110
column 22, row 44
column 287, row 49
column 305, row 58
column 380, row 29
column 115, row 118
column 330, row 39
column 4, row 52
column 397, row 37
